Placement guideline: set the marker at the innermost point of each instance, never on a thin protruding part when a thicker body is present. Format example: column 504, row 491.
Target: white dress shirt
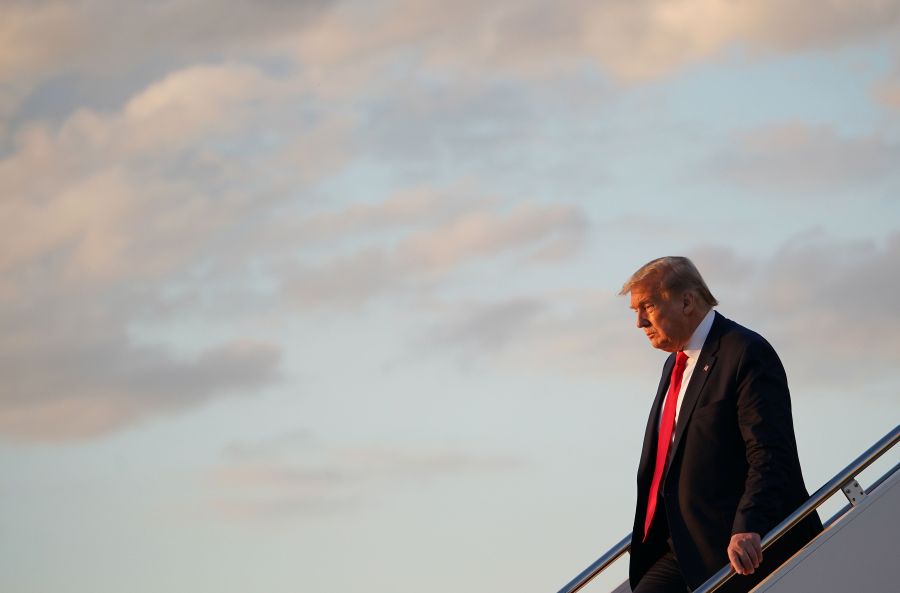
column 692, row 350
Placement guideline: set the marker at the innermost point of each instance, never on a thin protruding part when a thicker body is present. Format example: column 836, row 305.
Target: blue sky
column 321, row 296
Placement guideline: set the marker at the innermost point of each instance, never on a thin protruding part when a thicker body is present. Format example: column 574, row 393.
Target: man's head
column 670, row 299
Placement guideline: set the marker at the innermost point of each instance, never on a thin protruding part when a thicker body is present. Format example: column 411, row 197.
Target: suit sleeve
column 766, row 426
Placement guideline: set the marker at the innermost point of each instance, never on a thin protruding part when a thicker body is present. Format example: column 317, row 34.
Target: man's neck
column 694, row 322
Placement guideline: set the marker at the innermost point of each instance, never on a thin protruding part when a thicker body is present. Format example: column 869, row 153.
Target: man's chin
column 661, row 345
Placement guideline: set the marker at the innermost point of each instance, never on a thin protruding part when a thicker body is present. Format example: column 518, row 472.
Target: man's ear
column 688, row 302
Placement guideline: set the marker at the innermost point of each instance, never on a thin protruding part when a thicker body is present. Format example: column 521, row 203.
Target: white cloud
column 427, row 253
column 205, row 173
column 312, row 478
column 405, row 209
column 41, row 39
column 98, row 215
column 633, row 41
column 492, row 327
column 826, row 304
column 188, row 184
column 798, row 159
column 60, row 388
column 887, row 90
column 136, row 193
column 816, row 299
column 352, row 48
column 578, row 331
column 841, row 292
column 196, row 102
column 478, row 234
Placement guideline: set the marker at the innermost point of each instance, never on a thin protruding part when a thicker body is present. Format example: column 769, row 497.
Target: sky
column 321, row 295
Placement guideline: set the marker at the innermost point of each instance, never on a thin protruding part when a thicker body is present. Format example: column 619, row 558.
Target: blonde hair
column 666, row 275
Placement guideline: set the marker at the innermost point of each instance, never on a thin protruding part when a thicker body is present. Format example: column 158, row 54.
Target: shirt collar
column 695, row 344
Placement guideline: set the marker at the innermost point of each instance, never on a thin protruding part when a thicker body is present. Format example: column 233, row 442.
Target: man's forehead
column 641, row 295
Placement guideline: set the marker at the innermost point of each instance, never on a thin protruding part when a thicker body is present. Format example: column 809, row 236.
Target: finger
column 737, row 561
column 753, row 554
column 744, row 558
column 756, row 547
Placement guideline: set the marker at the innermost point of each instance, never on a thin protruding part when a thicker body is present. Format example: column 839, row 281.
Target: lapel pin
column 705, row 368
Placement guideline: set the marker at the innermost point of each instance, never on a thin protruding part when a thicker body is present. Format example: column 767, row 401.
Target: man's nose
column 642, row 320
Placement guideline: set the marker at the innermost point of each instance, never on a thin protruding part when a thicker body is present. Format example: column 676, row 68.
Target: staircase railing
column 844, row 480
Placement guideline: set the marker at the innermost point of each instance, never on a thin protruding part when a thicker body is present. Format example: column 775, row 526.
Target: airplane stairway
column 857, row 551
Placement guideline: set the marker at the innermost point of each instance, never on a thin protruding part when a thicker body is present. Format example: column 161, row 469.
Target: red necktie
column 666, row 427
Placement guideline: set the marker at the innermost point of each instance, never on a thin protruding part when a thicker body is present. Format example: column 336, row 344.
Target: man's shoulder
column 747, row 353
column 734, row 336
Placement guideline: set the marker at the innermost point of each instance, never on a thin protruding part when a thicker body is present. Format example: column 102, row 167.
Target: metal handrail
column 884, row 478
column 598, row 566
column 821, row 495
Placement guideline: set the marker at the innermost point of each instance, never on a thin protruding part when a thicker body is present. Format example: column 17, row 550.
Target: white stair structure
column 857, row 551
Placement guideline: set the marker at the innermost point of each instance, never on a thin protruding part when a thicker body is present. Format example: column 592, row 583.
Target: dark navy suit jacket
column 733, row 460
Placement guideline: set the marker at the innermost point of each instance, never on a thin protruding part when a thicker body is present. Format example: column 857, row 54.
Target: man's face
column 665, row 322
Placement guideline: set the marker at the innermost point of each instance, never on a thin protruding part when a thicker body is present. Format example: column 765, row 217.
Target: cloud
column 268, row 448
column 428, row 253
column 186, row 195
column 405, row 209
column 632, row 41
column 493, row 326
column 39, row 39
column 310, row 478
column 483, row 234
column 80, row 387
column 840, row 292
column 59, row 57
column 116, row 220
column 203, row 182
column 579, row 331
column 799, row 159
column 817, row 298
column 826, row 304
column 352, row 48
column 136, row 192
column 887, row 91
column 100, row 215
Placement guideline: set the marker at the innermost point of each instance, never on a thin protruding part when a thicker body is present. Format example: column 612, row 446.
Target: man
column 719, row 467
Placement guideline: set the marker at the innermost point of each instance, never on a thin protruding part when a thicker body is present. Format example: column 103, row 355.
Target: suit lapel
column 702, row 369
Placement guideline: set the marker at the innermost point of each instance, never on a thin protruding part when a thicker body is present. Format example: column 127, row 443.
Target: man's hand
column 745, row 552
